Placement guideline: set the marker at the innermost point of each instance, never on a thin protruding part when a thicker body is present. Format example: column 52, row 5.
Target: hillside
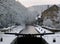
column 12, row 12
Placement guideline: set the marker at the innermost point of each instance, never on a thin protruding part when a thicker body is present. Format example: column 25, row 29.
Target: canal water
column 29, row 30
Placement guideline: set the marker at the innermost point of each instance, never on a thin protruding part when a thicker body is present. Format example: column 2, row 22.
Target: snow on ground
column 17, row 29
column 42, row 30
column 7, row 39
column 51, row 39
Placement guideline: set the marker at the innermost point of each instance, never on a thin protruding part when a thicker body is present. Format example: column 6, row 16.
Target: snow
column 7, row 39
column 48, row 22
column 17, row 29
column 42, row 30
column 49, row 38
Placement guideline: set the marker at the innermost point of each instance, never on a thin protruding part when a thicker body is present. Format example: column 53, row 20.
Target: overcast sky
column 28, row 3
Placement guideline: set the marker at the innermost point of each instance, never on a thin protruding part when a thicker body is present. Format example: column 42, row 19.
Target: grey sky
column 28, row 3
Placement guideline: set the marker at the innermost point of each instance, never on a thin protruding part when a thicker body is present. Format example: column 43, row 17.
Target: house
column 51, row 12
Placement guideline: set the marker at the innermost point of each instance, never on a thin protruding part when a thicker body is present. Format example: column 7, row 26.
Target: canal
column 29, row 30
column 29, row 39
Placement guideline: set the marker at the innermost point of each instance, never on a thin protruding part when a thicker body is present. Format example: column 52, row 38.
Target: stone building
column 51, row 13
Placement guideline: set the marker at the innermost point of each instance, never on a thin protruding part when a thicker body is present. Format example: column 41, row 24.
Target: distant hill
column 38, row 8
column 11, row 11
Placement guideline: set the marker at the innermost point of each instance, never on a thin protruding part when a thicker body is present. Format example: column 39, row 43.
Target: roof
column 52, row 8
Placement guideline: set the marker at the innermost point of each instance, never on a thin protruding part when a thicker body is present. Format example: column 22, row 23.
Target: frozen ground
column 49, row 38
column 7, row 39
